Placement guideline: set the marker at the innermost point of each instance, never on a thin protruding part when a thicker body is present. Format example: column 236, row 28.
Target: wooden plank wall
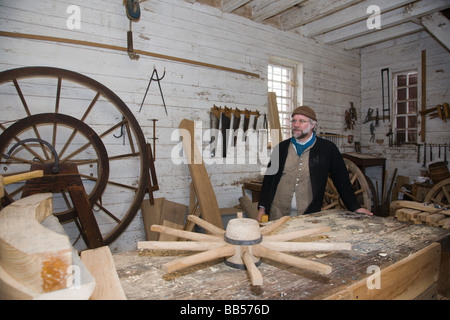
column 191, row 31
column 398, row 55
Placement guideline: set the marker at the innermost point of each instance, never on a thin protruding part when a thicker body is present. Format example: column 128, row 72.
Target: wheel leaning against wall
column 53, row 116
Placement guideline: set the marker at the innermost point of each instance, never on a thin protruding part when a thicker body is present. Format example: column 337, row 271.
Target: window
column 283, row 81
column 405, row 107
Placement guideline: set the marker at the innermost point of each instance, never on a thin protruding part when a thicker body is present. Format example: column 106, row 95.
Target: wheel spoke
column 83, row 118
column 27, row 110
column 117, row 184
column 109, row 213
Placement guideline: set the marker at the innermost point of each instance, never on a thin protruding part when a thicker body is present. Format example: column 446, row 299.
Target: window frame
column 294, row 84
column 411, row 118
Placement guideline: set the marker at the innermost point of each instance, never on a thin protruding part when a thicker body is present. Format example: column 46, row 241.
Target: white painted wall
column 191, row 31
column 399, row 55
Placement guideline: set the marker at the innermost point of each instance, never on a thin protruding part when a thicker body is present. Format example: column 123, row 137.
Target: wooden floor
column 376, row 241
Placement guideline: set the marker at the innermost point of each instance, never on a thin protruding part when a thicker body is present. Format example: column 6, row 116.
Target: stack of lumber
column 421, row 213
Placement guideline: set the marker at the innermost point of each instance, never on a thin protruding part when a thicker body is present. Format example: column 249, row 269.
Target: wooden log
column 184, row 234
column 166, row 237
column 306, row 246
column 206, row 225
column 434, row 218
column 298, row 262
column 253, row 272
column 101, row 265
column 35, row 256
column 416, row 205
column 444, row 222
column 296, row 234
column 180, row 245
column 275, row 225
column 224, row 251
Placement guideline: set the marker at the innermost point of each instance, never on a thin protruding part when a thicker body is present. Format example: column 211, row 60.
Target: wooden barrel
column 438, row 171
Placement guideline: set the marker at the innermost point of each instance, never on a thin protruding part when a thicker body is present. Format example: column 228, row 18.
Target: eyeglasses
column 301, row 121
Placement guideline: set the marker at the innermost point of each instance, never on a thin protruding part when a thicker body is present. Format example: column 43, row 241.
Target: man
column 297, row 174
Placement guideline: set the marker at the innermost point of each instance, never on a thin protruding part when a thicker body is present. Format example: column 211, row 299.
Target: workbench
column 407, row 255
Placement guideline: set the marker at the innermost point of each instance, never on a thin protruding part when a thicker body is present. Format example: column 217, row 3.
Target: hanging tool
column 236, row 122
column 445, row 153
column 255, row 120
column 431, row 152
column 226, row 120
column 372, row 132
column 214, row 118
column 377, row 120
column 122, row 130
column 368, row 116
column 157, row 79
column 246, row 119
column 424, row 154
column 154, row 138
column 388, row 109
column 390, row 135
column 133, row 13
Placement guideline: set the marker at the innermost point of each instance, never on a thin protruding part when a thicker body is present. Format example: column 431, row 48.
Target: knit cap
column 305, row 111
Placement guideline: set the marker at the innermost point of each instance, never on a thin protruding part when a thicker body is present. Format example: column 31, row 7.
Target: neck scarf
column 300, row 147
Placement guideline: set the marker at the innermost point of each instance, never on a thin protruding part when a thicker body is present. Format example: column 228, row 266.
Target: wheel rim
column 440, row 193
column 360, row 186
column 62, row 107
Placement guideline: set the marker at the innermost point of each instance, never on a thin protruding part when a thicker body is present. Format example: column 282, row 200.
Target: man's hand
column 261, row 211
column 364, row 211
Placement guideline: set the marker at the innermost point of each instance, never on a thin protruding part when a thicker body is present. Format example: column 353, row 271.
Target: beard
column 300, row 134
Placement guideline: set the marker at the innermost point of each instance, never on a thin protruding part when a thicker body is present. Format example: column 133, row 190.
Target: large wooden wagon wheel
column 80, row 133
column 440, row 193
column 357, row 179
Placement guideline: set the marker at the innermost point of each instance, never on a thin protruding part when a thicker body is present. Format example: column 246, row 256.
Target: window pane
column 412, row 93
column 401, row 137
column 412, row 106
column 401, row 94
column 401, row 108
column 412, row 136
column 412, row 122
column 280, row 80
column 412, row 78
column 401, row 80
column 401, row 122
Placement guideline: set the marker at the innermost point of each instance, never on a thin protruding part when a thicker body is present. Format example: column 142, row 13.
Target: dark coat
column 324, row 159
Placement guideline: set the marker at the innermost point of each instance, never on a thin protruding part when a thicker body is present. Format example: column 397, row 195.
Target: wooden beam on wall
column 123, row 49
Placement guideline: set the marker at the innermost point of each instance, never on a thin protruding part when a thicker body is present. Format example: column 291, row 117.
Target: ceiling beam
column 398, row 16
column 438, row 25
column 312, row 10
column 383, row 35
column 348, row 16
column 231, row 5
column 272, row 9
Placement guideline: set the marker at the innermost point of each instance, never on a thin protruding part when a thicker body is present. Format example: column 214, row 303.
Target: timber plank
column 207, row 200
column 101, row 265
